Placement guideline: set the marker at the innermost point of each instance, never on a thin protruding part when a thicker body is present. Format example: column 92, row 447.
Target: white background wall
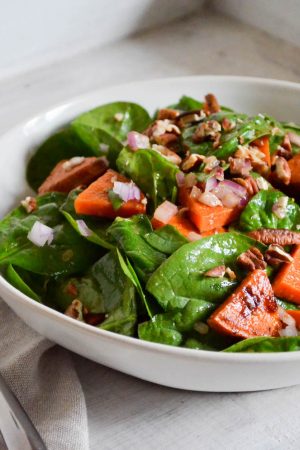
column 37, row 31
column 278, row 17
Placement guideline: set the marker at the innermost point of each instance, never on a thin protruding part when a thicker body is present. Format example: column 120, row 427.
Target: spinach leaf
column 117, row 285
column 210, row 341
column 166, row 239
column 187, row 103
column 168, row 328
column 68, row 253
column 249, row 129
column 181, row 277
column 105, row 288
column 128, row 234
column 116, row 119
column 258, row 213
column 99, row 141
column 265, row 344
column 97, row 226
column 286, row 305
column 154, row 174
column 14, row 278
column 62, row 145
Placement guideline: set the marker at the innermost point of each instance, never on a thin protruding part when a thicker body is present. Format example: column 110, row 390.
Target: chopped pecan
column 211, row 104
column 252, row 259
column 282, row 172
column 76, row 310
column 216, row 272
column 256, row 157
column 276, row 236
column 29, row 204
column 166, row 139
column 228, row 125
column 231, row 274
column 188, row 118
column 167, row 153
column 249, row 183
column 192, row 162
column 217, row 141
column 240, row 166
column 166, row 113
column 209, row 129
column 276, row 255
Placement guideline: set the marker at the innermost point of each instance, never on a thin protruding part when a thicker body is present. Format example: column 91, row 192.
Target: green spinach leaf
column 128, row 235
column 181, row 277
column 166, row 239
column 153, row 174
column 264, row 344
column 62, row 145
column 258, row 213
column 68, row 253
column 14, row 278
column 96, row 226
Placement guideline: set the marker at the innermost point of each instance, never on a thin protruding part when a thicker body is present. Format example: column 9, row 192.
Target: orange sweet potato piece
column 287, row 282
column 95, row 201
column 214, row 231
column 180, row 222
column 64, row 178
column 263, row 144
column 294, row 165
column 204, row 217
column 250, row 311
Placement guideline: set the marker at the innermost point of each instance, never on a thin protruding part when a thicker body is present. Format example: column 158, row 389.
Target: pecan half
column 276, row 255
column 282, row 172
column 166, row 113
column 252, row 259
column 192, row 162
column 275, row 236
column 188, row 118
column 211, row 104
column 249, row 183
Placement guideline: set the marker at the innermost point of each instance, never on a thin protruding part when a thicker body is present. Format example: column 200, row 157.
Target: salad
column 181, row 229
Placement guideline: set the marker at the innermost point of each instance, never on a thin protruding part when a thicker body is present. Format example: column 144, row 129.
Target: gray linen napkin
column 43, row 378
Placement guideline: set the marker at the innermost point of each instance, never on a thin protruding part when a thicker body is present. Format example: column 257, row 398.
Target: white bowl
column 170, row 366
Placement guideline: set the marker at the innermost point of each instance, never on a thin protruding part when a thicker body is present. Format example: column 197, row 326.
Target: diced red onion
column 40, row 234
column 193, row 236
column 165, row 212
column 290, row 328
column 231, row 194
column 137, row 140
column 294, row 138
column 195, row 193
column 211, row 184
column 127, row 191
column 180, row 179
column 209, row 199
column 218, row 173
column 190, row 180
column 239, row 190
column 83, row 228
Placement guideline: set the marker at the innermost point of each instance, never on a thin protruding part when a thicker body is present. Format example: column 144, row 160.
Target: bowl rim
column 182, row 352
